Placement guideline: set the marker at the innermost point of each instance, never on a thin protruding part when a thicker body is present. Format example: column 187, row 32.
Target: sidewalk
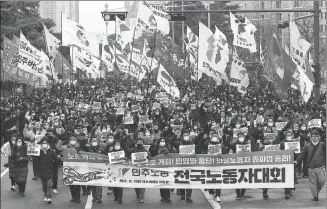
column 301, row 198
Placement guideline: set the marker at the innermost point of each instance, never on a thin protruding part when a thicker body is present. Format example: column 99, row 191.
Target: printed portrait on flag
column 80, row 35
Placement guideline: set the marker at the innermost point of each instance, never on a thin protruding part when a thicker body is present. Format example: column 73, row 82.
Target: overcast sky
column 90, row 15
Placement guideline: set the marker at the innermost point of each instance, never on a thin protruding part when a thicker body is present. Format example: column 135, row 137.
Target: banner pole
column 147, row 89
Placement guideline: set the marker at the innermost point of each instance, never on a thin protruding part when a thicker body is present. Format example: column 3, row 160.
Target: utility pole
column 183, row 28
column 317, row 74
column 209, row 15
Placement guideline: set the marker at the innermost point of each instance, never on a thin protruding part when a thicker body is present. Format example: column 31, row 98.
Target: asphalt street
column 34, row 198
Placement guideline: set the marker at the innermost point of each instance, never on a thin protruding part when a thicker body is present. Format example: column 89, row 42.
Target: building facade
column 54, row 9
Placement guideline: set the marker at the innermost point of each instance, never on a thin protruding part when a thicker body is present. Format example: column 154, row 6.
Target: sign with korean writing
column 136, row 108
column 295, row 146
column 128, row 120
column 143, row 119
column 214, row 149
column 269, row 137
column 139, row 157
column 5, row 149
column 243, row 148
column 96, row 105
column 232, row 171
column 280, row 125
column 186, row 149
column 139, row 98
column 116, row 157
column 120, row 111
column 33, row 149
column 314, row 123
column 273, row 147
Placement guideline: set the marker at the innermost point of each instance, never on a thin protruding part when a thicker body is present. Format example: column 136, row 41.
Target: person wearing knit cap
column 315, row 151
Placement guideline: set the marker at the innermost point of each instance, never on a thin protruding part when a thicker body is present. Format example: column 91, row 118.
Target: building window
column 278, row 4
column 262, row 5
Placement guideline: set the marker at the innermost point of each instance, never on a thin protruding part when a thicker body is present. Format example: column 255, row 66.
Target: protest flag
column 51, row 41
column 63, row 67
column 167, row 82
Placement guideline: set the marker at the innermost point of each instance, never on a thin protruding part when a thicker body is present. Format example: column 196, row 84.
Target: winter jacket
column 47, row 159
column 314, row 154
column 21, row 163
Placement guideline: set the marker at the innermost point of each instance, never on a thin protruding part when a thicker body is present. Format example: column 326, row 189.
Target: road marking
column 89, row 202
column 4, row 172
column 213, row 203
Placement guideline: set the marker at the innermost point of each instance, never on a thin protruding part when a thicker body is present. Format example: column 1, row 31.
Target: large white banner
column 167, row 82
column 232, row 171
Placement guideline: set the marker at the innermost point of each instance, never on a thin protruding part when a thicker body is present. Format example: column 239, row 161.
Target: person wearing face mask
column 289, row 137
column 240, row 140
column 21, row 165
column 94, row 147
column 11, row 162
column 160, row 148
column 75, row 190
column 156, row 132
column 128, row 151
column 47, row 160
column 304, row 139
column 118, row 191
column 316, row 162
column 53, row 141
column 176, row 144
column 215, row 139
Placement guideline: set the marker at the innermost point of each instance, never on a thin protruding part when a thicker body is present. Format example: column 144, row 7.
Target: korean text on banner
column 33, row 149
column 230, row 171
column 243, row 148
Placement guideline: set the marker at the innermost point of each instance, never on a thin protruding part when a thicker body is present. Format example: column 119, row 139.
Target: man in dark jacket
column 315, row 153
column 47, row 159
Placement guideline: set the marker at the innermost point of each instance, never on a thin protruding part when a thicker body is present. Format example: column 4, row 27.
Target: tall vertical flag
column 63, row 67
column 124, row 35
column 239, row 76
column 108, row 53
column 303, row 77
column 29, row 58
column 75, row 34
column 191, row 42
column 243, row 33
column 212, row 54
column 52, row 42
column 167, row 82
column 279, row 67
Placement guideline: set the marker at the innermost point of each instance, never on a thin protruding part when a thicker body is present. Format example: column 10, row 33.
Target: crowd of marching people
column 46, row 117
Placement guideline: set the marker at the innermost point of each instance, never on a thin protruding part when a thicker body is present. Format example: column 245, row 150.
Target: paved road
column 34, row 198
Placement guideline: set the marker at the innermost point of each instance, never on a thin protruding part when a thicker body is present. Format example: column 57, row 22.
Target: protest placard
column 193, row 107
column 214, row 149
column 272, row 147
column 156, row 105
column 314, row 123
column 139, row 98
column 143, row 119
column 139, row 157
column 110, row 100
column 116, row 157
column 186, row 149
column 128, row 120
column 33, row 149
column 280, row 125
column 243, row 148
column 295, row 146
column 136, row 108
column 269, row 137
column 5, row 149
column 120, row 111
column 96, row 105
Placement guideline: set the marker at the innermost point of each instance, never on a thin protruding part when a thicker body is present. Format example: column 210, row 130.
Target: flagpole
column 147, row 89
column 47, row 47
column 62, row 55
column 130, row 60
column 197, row 63
column 72, row 74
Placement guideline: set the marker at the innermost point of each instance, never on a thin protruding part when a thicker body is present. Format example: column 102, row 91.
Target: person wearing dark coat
column 215, row 139
column 48, row 157
column 21, row 165
column 128, row 151
column 161, row 148
column 94, row 147
column 11, row 162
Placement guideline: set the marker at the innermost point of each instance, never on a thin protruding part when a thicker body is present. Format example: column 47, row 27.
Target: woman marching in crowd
column 228, row 120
